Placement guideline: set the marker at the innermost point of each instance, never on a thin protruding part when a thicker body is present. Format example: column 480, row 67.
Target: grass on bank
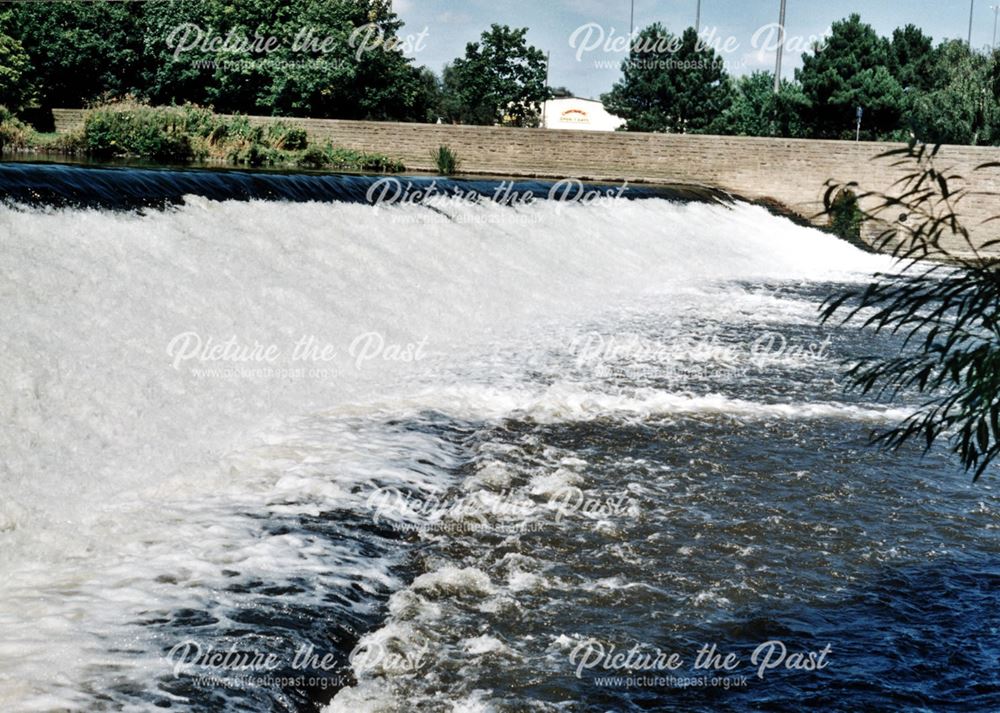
column 190, row 133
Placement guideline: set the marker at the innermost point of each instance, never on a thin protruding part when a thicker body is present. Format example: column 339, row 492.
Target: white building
column 578, row 114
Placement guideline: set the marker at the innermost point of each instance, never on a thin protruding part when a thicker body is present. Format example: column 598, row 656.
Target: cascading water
column 447, row 443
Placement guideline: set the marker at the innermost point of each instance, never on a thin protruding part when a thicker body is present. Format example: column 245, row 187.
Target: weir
column 791, row 172
column 127, row 188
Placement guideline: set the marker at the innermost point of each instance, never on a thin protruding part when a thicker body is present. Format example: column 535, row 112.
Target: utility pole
column 545, row 104
column 972, row 7
column 996, row 15
column 697, row 19
column 781, row 48
column 631, row 21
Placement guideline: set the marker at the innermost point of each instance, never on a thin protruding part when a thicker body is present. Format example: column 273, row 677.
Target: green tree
column 387, row 84
column 757, row 111
column 156, row 50
column 15, row 85
column 670, row 83
column 962, row 105
column 851, row 70
column 188, row 76
column 911, row 58
column 500, row 80
column 78, row 50
column 336, row 58
column 452, row 103
column 430, row 96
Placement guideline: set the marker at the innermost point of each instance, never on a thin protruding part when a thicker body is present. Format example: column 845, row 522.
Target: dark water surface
column 740, row 528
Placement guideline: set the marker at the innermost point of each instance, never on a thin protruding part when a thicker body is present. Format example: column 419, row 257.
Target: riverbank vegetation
column 350, row 59
column 187, row 133
column 944, row 300
column 446, row 161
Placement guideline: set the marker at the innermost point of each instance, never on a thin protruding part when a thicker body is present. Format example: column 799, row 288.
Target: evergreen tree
column 670, row 83
column 851, row 70
column 911, row 58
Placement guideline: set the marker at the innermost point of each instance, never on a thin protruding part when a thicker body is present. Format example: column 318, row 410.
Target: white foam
column 119, row 468
column 453, row 581
column 484, row 644
column 367, row 697
column 566, row 402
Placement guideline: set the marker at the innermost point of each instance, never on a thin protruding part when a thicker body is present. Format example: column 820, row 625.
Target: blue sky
column 450, row 24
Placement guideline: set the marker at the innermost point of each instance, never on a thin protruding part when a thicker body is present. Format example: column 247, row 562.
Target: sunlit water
column 549, row 434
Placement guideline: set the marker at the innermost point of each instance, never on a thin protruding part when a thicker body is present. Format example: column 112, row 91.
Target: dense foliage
column 349, row 59
column 961, row 104
column 756, row 110
column 851, row 71
column 179, row 134
column 907, row 88
column 82, row 51
column 16, row 88
column 77, row 50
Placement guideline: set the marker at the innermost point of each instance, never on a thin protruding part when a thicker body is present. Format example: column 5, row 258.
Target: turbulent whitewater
column 281, row 420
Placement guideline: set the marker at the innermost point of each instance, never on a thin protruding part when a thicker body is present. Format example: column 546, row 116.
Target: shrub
column 846, row 216
column 130, row 129
column 13, row 132
column 183, row 133
column 446, row 161
column 329, row 156
column 218, row 134
column 289, row 138
column 351, row 160
column 198, row 121
column 255, row 154
column 314, row 157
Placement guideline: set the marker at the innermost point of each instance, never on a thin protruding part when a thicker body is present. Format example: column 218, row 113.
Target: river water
column 269, row 447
